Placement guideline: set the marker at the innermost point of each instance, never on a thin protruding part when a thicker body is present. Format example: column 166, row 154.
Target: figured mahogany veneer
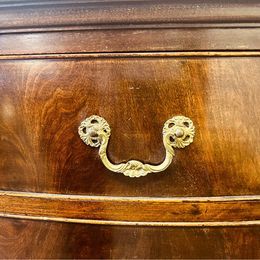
column 43, row 239
column 45, row 100
column 136, row 63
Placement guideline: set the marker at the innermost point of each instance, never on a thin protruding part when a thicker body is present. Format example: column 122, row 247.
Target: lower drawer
column 41, row 239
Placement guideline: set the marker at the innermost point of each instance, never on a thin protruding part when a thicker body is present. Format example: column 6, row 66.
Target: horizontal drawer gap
column 133, row 55
column 121, row 26
column 130, row 223
column 127, row 198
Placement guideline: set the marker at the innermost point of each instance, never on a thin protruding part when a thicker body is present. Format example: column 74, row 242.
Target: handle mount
column 178, row 132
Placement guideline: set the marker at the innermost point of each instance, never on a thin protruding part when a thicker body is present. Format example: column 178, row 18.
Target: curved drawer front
column 66, row 240
column 94, row 92
column 44, row 100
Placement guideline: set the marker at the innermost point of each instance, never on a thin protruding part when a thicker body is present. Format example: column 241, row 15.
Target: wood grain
column 32, row 14
column 40, row 240
column 136, row 63
column 79, row 208
column 113, row 55
column 43, row 102
column 199, row 39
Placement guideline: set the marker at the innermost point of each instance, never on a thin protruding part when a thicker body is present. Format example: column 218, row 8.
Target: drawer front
column 44, row 100
column 76, row 241
column 136, row 64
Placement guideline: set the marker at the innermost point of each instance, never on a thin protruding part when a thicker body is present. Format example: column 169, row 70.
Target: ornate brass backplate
column 178, row 132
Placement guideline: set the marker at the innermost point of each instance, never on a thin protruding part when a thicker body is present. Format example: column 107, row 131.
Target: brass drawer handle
column 178, row 132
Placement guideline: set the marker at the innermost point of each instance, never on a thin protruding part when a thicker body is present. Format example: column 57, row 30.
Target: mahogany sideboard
column 173, row 88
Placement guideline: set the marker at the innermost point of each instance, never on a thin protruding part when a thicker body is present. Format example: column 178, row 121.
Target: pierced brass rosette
column 178, row 132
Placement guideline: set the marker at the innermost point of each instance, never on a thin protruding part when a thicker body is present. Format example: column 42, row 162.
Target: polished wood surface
column 44, row 102
column 121, row 40
column 196, row 211
column 45, row 15
column 41, row 239
column 136, row 63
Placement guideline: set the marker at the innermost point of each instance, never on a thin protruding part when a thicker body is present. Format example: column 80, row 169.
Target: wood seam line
column 145, row 26
column 131, row 223
column 133, row 199
column 132, row 55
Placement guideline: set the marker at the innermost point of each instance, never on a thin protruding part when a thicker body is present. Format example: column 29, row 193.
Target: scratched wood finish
column 40, row 239
column 44, row 101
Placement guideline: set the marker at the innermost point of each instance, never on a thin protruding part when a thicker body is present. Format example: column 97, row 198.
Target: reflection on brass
column 178, row 132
